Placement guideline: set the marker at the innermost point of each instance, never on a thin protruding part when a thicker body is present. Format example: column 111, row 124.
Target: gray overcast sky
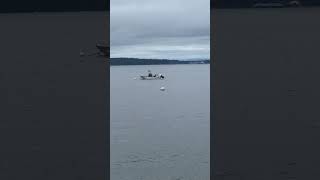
column 172, row 29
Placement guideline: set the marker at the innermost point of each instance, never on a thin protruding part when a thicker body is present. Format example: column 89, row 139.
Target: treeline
column 21, row 6
column 136, row 61
column 251, row 3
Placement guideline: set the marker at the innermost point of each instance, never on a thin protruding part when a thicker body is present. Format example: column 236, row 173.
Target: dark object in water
column 152, row 78
column 104, row 49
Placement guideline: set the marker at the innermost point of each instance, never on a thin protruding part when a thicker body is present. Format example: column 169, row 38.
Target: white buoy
column 162, row 88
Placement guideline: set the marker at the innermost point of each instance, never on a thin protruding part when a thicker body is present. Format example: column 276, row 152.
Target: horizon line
column 160, row 58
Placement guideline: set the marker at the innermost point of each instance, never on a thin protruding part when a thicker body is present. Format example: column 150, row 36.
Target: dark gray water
column 160, row 134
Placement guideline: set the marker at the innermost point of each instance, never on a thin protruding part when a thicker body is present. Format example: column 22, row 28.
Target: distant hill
column 252, row 3
column 18, row 6
column 136, row 61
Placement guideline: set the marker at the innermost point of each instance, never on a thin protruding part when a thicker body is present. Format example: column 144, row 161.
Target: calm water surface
column 160, row 135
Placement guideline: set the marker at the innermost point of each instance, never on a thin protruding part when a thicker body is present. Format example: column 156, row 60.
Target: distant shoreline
column 155, row 64
column 271, row 7
column 136, row 61
column 52, row 12
column 229, row 4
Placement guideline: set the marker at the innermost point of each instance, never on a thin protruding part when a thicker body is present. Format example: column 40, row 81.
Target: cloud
column 174, row 29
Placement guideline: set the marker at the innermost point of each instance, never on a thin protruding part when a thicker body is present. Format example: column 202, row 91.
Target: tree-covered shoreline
column 230, row 4
column 137, row 61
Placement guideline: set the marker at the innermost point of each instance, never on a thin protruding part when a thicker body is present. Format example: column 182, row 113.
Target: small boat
column 151, row 78
column 104, row 49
